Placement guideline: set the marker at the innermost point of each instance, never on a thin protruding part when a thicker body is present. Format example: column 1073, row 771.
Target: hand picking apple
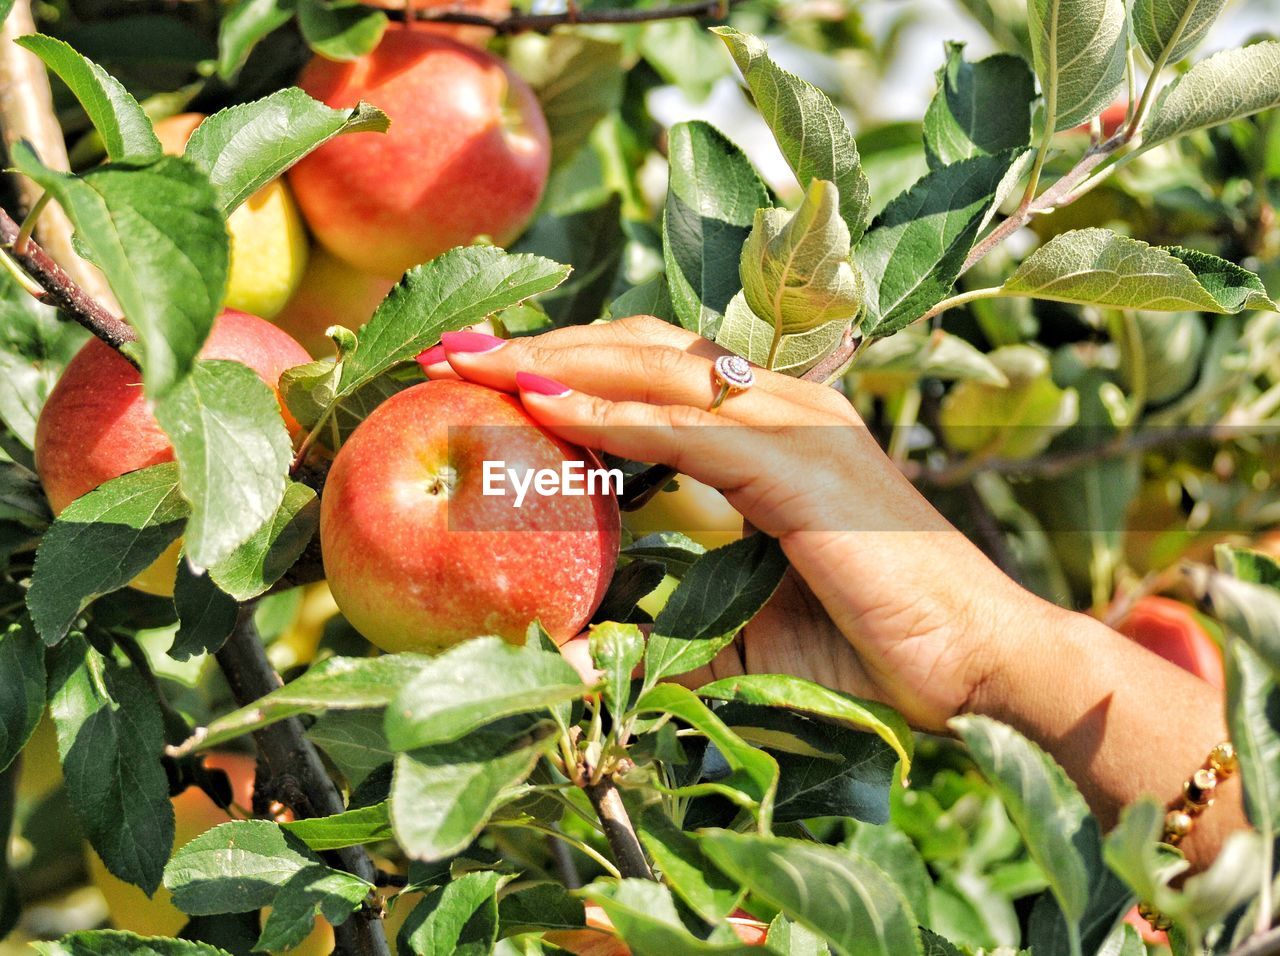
column 855, row 614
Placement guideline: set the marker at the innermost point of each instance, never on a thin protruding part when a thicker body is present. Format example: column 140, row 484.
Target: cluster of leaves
column 464, row 765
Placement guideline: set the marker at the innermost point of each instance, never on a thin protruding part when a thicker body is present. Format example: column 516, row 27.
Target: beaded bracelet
column 1197, row 797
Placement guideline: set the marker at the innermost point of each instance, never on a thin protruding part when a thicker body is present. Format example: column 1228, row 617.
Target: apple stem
column 295, row 770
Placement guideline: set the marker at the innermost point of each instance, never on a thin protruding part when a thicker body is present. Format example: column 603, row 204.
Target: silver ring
column 733, row 374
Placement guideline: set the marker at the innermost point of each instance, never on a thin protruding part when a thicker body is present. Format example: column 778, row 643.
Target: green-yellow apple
column 419, row 550
column 331, row 293
column 268, row 239
column 97, row 424
column 466, row 156
column 464, row 33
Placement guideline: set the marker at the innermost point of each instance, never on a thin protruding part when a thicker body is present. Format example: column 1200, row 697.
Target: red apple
column 1170, row 628
column 466, row 156
column 98, row 425
column 419, row 558
column 476, row 35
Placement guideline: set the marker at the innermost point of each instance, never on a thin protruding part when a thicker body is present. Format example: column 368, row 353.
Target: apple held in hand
column 467, row 154
column 268, row 240
column 419, row 557
column 97, row 424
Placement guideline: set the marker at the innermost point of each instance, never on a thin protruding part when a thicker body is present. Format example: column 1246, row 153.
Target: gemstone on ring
column 734, row 371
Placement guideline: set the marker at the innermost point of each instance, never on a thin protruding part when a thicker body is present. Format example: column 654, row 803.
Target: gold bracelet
column 1197, row 797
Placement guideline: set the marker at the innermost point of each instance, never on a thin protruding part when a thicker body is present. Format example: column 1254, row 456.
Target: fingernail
column 432, row 356
column 473, row 343
column 540, row 385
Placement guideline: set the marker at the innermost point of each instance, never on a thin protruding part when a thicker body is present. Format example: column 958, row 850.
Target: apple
column 419, row 557
column 467, row 154
column 97, row 424
column 1172, row 630
column 330, row 293
column 1112, row 118
column 268, row 239
column 476, row 35
column 694, row 509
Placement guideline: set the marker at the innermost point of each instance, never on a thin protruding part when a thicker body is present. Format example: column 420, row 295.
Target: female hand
column 886, row 600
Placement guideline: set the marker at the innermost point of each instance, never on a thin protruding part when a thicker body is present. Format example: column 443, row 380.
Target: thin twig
column 546, row 22
column 618, row 829
column 1061, row 463
column 63, row 292
column 298, row 774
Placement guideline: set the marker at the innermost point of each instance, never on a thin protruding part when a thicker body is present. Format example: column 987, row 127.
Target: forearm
column 1121, row 721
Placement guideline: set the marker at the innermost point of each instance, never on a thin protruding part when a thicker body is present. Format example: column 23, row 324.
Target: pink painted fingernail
column 540, row 385
column 473, row 343
column 432, row 356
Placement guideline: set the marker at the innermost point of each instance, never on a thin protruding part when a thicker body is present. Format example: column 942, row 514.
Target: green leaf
column 206, row 615
column 685, row 868
column 339, row 29
column 893, row 852
column 338, row 683
column 1079, row 48
column 243, row 26
column 22, row 694
column 1175, row 26
column 616, row 649
column 645, row 916
column 233, row 454
column 712, row 195
column 1253, row 716
column 442, row 796
column 460, row 917
column 721, row 592
column 795, row 693
column 1256, row 567
column 22, row 499
column 674, row 550
column 309, row 390
column 539, row 906
column 753, row 777
column 648, row 298
column 353, row 740
column 35, row 346
column 350, row 828
column 860, row 910
column 101, row 542
column 1249, row 611
column 917, row 246
column 795, row 272
column 745, row 333
column 158, row 235
column 475, row 683
column 592, row 241
column 112, row 942
column 252, row 568
column 961, row 123
column 242, row 148
column 110, row 737
column 311, row 892
column 1045, row 807
column 1099, row 267
column 235, row 867
column 1229, row 85
column 578, row 80
column 811, row 132
column 912, row 355
column 124, row 127
column 459, row 288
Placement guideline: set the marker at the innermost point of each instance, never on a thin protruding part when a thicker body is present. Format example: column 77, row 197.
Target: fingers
column 639, row 359
column 716, row 451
